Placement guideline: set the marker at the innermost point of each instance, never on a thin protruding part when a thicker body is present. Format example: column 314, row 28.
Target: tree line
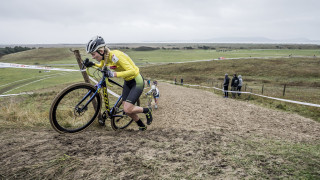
column 9, row 50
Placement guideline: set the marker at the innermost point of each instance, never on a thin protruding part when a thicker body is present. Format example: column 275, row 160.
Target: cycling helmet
column 153, row 87
column 94, row 44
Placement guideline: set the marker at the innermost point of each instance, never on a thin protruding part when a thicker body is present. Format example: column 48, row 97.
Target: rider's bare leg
column 132, row 110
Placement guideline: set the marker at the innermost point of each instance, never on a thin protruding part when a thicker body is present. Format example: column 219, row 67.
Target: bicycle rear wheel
column 71, row 110
column 121, row 120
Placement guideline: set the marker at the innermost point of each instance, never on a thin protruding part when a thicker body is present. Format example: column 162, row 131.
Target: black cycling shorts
column 132, row 89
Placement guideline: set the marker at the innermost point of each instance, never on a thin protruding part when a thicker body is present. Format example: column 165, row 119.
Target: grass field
column 300, row 74
column 65, row 56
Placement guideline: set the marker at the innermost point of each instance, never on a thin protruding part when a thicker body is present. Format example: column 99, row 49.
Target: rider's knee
column 128, row 108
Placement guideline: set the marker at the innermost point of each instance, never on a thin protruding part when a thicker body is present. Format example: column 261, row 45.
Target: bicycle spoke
column 72, row 110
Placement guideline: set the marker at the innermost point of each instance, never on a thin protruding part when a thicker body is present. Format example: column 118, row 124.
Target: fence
column 253, row 90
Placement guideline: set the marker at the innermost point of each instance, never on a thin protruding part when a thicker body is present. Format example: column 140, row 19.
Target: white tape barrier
column 11, row 65
column 109, row 91
column 16, row 94
column 279, row 99
column 286, row 100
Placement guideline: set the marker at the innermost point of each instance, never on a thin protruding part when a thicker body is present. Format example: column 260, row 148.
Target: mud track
column 191, row 132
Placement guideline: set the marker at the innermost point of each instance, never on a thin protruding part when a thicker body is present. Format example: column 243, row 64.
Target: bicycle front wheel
column 120, row 119
column 75, row 108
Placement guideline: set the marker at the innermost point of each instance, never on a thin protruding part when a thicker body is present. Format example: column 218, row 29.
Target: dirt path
column 191, row 136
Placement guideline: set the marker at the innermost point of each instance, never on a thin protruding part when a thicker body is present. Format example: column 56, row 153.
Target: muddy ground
column 195, row 135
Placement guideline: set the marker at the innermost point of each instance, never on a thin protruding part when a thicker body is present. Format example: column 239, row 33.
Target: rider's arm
column 149, row 91
column 100, row 65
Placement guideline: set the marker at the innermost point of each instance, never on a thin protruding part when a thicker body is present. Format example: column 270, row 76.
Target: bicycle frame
column 102, row 85
column 149, row 98
column 106, row 98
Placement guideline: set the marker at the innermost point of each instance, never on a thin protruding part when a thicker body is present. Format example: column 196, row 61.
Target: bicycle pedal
column 102, row 122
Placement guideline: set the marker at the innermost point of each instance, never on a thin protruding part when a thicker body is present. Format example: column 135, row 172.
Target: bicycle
column 76, row 107
column 149, row 100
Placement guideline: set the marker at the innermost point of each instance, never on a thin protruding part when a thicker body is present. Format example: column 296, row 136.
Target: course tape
column 16, row 94
column 11, row 65
column 279, row 99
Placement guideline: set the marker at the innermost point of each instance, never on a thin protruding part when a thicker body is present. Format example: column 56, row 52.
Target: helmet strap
column 101, row 54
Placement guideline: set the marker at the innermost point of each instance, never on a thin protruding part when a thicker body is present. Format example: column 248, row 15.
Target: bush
column 145, row 48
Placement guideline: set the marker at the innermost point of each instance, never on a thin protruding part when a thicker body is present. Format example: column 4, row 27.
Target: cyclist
column 156, row 94
column 155, row 82
column 124, row 68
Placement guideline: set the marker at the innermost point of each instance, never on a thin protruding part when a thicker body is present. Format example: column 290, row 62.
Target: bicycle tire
column 124, row 121
column 66, row 117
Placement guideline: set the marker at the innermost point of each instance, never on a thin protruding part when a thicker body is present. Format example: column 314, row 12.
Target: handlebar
column 103, row 71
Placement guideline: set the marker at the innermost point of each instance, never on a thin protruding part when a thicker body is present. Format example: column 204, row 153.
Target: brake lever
column 82, row 67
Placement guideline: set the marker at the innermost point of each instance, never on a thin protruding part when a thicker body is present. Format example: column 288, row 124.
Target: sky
column 130, row 21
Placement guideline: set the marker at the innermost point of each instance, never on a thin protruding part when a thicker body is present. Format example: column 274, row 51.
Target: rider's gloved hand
column 110, row 73
column 88, row 63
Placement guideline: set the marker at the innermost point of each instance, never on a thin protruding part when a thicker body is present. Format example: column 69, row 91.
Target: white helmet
column 153, row 87
column 94, row 44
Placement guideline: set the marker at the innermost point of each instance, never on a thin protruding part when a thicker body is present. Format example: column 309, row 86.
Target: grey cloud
column 75, row 21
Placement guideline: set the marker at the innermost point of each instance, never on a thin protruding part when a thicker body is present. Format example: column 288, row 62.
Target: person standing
column 226, row 85
column 239, row 85
column 234, row 85
column 148, row 82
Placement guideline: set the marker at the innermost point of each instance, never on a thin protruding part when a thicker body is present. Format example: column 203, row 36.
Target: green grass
column 23, row 80
column 65, row 56
column 293, row 71
column 301, row 76
column 166, row 56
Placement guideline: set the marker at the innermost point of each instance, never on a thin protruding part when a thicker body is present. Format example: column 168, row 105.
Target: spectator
column 182, row 81
column 148, row 81
column 234, row 85
column 226, row 85
column 240, row 84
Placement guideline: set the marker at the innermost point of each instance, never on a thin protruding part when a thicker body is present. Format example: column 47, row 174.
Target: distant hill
column 261, row 40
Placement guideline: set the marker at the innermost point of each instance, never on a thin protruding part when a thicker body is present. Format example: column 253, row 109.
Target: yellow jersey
column 122, row 64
